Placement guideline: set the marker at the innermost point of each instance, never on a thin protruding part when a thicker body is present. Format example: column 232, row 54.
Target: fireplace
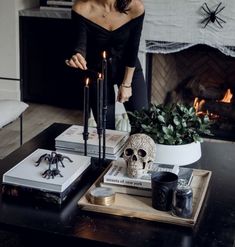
column 189, row 61
column 200, row 76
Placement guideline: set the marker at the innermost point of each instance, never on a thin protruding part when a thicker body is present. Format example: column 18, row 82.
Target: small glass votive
column 182, row 204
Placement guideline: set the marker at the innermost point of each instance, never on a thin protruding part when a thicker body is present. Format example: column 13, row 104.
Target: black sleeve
column 134, row 41
column 79, row 33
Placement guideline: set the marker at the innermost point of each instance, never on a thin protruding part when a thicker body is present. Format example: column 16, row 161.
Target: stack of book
column 56, row 4
column 26, row 180
column 71, row 141
column 117, row 179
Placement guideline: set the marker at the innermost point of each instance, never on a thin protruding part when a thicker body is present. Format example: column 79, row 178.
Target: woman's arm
column 80, row 36
column 135, row 34
column 125, row 89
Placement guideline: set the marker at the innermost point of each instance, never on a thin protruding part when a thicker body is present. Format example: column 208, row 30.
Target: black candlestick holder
column 85, row 138
column 99, row 113
column 86, row 115
column 104, row 110
column 100, row 132
column 104, row 130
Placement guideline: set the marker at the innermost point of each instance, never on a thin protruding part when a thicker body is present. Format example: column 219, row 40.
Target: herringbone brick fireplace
column 198, row 72
column 204, row 63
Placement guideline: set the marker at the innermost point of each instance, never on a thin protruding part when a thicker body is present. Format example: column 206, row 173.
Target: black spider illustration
column 52, row 158
column 212, row 16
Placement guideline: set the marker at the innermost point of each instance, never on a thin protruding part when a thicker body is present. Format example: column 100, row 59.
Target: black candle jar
column 163, row 186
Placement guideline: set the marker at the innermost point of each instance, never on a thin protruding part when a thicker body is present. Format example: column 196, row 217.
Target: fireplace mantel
column 175, row 25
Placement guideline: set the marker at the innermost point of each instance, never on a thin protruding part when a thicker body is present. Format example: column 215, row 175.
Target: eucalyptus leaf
column 176, row 120
column 161, row 119
column 172, row 124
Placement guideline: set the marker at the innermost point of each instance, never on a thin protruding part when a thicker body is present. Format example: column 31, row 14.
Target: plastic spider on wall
column 212, row 16
column 53, row 159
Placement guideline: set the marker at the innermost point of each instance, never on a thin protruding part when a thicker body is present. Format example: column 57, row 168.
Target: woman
column 113, row 26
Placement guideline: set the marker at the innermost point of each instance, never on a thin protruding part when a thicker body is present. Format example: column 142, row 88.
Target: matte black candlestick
column 86, row 115
column 105, row 77
column 99, row 111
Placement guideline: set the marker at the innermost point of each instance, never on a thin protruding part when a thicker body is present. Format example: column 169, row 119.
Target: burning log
column 226, row 110
column 193, row 86
column 205, row 90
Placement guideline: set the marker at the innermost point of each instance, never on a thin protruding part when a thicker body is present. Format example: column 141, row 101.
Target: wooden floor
column 35, row 119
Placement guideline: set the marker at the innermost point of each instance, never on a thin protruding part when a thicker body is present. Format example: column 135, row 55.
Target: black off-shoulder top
column 121, row 44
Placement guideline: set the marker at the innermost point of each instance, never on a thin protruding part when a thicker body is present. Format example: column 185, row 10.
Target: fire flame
column 227, row 97
column 198, row 104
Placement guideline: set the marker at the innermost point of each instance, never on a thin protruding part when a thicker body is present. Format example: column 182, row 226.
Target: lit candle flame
column 104, row 54
column 87, row 82
column 99, row 75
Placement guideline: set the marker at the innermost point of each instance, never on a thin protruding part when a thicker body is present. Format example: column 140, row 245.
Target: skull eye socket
column 129, row 152
column 142, row 153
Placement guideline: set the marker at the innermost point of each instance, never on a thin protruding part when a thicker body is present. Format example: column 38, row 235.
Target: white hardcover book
column 128, row 189
column 55, row 8
column 117, row 174
column 73, row 138
column 91, row 151
column 93, row 154
column 27, row 174
column 63, row 3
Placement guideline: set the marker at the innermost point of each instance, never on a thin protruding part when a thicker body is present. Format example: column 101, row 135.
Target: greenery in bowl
column 170, row 124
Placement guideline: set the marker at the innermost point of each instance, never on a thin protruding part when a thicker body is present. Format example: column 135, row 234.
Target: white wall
column 8, row 52
column 9, row 45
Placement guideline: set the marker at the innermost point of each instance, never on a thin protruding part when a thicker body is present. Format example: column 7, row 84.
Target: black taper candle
column 99, row 111
column 105, row 77
column 86, row 115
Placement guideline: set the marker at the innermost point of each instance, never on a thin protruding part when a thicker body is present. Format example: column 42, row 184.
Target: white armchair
column 10, row 110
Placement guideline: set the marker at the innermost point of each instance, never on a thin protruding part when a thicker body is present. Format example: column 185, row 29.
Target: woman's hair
column 122, row 5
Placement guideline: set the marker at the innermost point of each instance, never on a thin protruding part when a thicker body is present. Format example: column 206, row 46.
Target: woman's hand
column 77, row 61
column 124, row 92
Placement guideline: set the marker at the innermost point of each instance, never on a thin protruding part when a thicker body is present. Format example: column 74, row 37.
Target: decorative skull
column 138, row 154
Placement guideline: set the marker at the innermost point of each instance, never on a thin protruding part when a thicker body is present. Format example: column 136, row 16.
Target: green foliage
column 170, row 124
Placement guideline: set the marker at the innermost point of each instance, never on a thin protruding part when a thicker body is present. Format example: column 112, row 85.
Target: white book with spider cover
column 27, row 174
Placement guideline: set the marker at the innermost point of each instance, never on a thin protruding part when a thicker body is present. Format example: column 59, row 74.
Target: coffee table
column 71, row 226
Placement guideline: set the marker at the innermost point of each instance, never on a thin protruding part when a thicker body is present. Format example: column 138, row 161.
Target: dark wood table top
column 215, row 227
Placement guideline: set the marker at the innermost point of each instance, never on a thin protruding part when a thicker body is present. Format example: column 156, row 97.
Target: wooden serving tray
column 141, row 207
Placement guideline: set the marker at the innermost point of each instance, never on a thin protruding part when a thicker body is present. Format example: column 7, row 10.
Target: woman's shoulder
column 136, row 8
column 81, row 6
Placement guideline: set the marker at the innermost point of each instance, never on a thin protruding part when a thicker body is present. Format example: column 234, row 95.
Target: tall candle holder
column 99, row 111
column 104, row 112
column 86, row 109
